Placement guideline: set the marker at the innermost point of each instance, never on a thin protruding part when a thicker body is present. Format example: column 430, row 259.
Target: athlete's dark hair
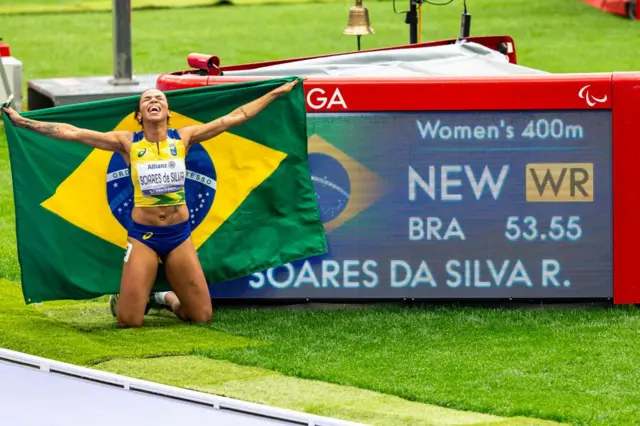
column 138, row 116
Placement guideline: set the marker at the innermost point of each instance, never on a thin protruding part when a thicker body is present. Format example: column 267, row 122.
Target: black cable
column 432, row 3
column 437, row 4
column 394, row 8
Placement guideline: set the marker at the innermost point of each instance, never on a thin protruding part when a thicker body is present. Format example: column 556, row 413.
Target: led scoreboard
column 468, row 188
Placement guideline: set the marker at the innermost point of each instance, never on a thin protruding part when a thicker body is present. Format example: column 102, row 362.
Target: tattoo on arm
column 47, row 129
column 109, row 141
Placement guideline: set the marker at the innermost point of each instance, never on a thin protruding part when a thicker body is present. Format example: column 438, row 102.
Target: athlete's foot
column 112, row 303
column 156, row 304
column 151, row 303
column 113, row 300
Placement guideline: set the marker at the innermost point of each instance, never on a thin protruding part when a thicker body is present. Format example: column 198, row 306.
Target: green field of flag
column 249, row 192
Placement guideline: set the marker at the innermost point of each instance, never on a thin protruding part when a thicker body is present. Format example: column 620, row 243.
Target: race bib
column 161, row 177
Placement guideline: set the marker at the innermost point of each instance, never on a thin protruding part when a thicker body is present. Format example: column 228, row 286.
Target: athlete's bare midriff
column 160, row 216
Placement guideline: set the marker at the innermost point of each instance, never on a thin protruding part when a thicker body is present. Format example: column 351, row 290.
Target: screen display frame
column 616, row 92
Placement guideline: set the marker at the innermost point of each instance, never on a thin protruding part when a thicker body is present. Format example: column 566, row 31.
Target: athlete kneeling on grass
column 160, row 218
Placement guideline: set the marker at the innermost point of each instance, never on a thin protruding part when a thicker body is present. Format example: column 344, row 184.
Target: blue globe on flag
column 200, row 187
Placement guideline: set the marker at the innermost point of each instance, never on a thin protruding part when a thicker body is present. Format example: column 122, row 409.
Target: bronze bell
column 358, row 21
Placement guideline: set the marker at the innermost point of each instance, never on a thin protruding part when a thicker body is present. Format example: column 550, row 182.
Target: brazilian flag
column 249, row 192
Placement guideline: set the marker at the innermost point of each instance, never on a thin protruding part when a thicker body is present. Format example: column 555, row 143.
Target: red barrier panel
column 626, row 196
column 337, row 94
column 626, row 8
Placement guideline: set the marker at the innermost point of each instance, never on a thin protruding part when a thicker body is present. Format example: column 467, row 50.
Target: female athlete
column 160, row 218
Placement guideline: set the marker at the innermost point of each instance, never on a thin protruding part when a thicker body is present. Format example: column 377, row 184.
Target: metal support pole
column 123, row 69
column 412, row 20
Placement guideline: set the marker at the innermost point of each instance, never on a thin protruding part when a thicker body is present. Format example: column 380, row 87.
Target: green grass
column 166, row 351
column 577, row 366
column 257, row 384
column 556, row 36
column 32, row 7
column 24, row 329
column 9, row 267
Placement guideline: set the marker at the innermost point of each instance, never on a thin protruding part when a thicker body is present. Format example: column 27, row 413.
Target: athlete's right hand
column 11, row 113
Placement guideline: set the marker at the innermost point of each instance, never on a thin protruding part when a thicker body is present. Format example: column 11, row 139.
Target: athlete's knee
column 129, row 324
column 201, row 314
column 129, row 320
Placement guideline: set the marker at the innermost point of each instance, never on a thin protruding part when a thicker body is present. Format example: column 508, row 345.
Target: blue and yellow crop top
column 158, row 171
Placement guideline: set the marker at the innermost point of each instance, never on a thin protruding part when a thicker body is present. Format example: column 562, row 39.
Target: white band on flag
column 117, row 174
column 211, row 183
column 124, row 173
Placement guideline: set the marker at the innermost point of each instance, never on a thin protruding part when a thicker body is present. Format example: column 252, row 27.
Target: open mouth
column 153, row 109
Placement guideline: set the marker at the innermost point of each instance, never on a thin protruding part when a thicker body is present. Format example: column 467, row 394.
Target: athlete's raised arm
column 108, row 141
column 202, row 132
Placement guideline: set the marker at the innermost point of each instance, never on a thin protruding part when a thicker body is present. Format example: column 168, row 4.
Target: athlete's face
column 153, row 106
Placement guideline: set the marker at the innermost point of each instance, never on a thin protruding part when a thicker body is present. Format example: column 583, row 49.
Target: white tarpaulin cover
column 460, row 59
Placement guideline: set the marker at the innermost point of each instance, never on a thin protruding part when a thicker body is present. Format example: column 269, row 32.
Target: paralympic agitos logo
column 585, row 94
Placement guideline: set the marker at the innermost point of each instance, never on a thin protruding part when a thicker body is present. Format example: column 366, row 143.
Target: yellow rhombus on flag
column 82, row 200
